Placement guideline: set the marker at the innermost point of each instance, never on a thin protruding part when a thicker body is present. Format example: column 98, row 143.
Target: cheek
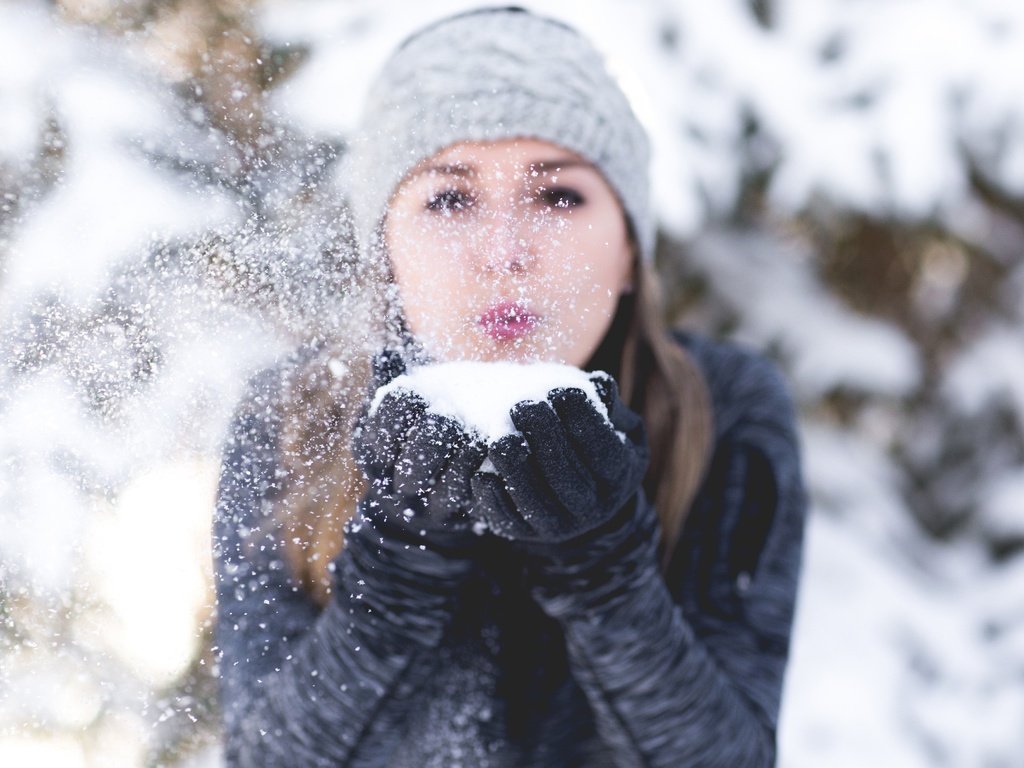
column 600, row 267
column 581, row 298
column 591, row 284
column 427, row 293
column 429, row 278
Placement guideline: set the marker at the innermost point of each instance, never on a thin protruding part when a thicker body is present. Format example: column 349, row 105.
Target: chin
column 535, row 353
column 530, row 349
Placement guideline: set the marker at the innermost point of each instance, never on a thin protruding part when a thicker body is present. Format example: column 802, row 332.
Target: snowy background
column 839, row 183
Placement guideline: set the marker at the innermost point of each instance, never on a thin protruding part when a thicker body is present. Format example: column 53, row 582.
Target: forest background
column 839, row 183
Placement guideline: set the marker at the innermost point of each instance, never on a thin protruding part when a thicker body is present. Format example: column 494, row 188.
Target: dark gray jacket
column 681, row 670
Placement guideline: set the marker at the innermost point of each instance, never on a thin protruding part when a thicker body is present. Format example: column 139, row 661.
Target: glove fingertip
column 399, row 400
column 388, row 365
column 564, row 394
column 568, row 402
column 508, row 449
column 525, row 414
column 606, row 386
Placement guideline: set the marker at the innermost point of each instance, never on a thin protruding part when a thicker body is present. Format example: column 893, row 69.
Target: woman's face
column 508, row 250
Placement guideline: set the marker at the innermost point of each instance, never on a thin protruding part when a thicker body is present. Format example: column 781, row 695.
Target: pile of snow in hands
column 480, row 395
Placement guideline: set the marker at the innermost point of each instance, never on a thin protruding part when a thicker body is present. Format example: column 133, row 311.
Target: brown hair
column 324, row 396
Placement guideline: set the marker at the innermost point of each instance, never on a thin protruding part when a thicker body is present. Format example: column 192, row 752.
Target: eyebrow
column 451, row 169
column 558, row 165
column 464, row 170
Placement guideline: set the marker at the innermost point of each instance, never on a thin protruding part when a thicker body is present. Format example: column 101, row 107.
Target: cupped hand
column 419, row 465
column 570, row 469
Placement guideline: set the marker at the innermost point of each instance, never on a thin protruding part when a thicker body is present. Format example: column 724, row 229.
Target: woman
column 593, row 598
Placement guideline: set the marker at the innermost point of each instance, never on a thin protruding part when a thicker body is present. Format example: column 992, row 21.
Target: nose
column 507, row 245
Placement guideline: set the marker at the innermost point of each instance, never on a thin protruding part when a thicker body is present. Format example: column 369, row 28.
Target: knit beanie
column 490, row 74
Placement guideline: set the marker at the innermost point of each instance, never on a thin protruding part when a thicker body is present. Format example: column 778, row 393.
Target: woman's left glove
column 568, row 473
column 568, row 492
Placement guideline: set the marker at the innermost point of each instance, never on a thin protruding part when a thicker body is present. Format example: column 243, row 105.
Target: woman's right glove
column 567, row 472
column 411, row 540
column 567, row 490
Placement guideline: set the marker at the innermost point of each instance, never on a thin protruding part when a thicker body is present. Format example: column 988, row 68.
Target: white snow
column 1002, row 508
column 906, row 651
column 780, row 302
column 87, row 640
column 19, row 749
column 155, row 593
column 989, row 368
column 479, row 395
column 108, row 202
column 902, row 648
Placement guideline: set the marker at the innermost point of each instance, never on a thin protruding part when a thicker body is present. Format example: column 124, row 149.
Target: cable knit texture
column 596, row 660
column 497, row 74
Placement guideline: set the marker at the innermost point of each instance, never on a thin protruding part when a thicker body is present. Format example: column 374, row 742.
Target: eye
column 449, row 200
column 562, row 197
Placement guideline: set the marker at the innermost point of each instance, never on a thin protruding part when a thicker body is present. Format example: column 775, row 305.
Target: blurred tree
column 835, row 190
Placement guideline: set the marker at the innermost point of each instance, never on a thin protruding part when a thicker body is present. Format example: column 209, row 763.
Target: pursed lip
column 508, row 320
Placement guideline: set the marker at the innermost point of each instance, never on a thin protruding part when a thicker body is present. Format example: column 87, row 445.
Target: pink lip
column 508, row 320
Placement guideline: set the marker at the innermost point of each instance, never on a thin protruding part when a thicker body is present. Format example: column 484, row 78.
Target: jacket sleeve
column 687, row 670
column 301, row 685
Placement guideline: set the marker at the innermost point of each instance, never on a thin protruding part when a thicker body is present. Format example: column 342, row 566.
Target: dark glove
column 408, row 546
column 569, row 493
column 568, row 473
column 419, row 465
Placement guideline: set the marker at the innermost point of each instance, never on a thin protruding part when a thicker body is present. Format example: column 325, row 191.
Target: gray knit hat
column 492, row 74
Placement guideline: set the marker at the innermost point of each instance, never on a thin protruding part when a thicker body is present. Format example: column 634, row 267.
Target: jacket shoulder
column 256, row 418
column 744, row 385
column 266, row 386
